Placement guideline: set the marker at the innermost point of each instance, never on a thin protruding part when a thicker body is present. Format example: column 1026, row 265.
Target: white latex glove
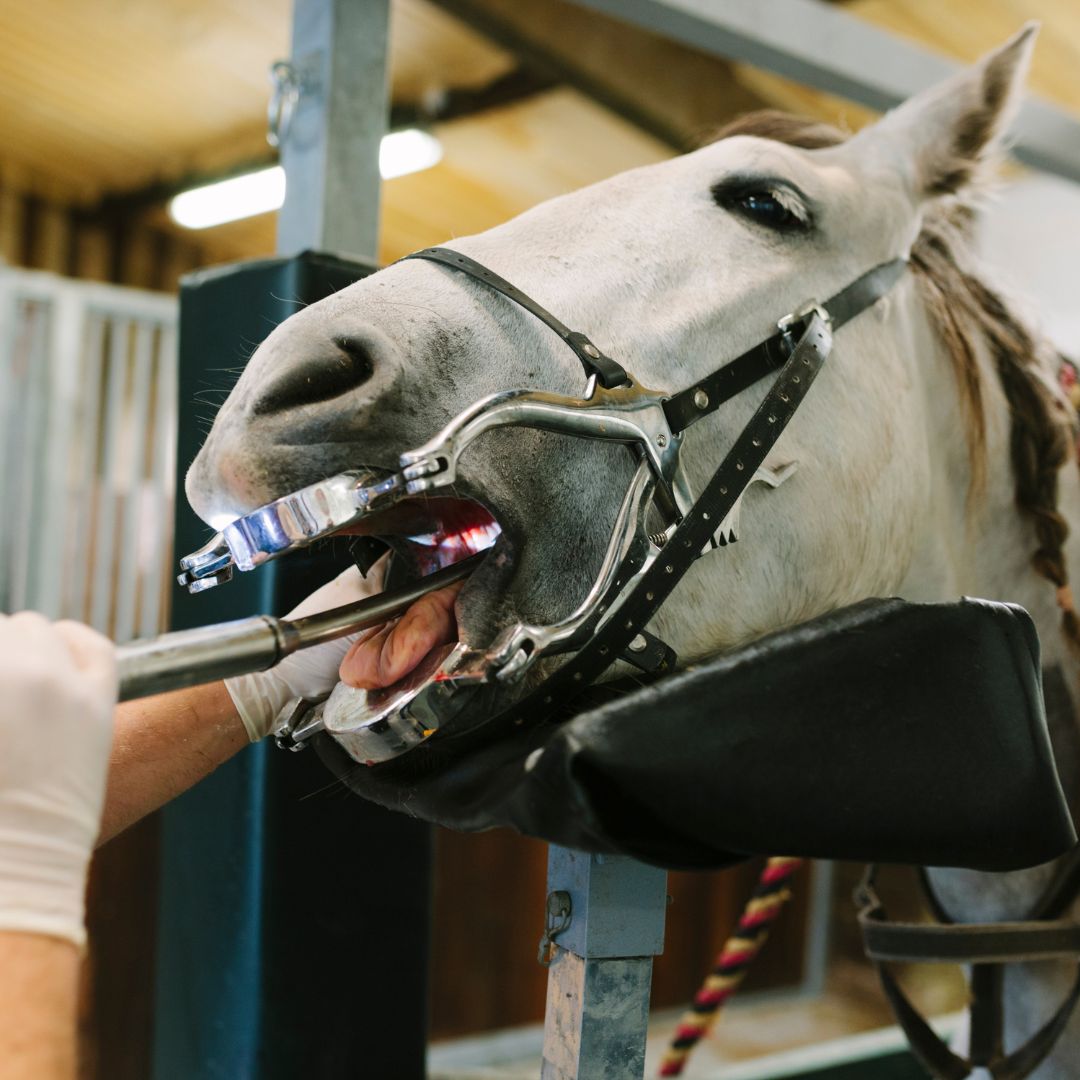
column 309, row 673
column 56, row 722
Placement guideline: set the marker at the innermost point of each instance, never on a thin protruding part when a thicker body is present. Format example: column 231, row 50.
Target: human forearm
column 162, row 746
column 165, row 744
column 37, row 1002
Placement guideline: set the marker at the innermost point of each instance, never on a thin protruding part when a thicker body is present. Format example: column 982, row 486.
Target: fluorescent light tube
column 229, row 200
column 400, row 152
column 407, row 151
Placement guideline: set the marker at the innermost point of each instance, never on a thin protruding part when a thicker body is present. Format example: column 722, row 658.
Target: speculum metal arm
column 291, row 522
column 629, row 414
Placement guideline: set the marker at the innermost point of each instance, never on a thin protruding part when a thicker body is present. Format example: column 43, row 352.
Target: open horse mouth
column 424, row 535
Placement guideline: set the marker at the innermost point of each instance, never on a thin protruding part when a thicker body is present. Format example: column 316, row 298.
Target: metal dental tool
column 627, row 414
column 190, row 657
column 288, row 523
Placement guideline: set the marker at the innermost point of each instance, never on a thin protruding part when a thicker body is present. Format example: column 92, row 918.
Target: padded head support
column 888, row 731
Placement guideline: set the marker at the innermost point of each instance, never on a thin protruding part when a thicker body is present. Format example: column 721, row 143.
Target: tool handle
column 205, row 654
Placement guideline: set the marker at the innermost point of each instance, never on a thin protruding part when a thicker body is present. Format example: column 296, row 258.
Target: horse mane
column 962, row 305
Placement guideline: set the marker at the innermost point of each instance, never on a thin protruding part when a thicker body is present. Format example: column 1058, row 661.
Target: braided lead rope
column 752, row 931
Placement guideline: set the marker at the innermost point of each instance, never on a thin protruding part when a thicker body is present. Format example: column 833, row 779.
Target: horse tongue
column 386, row 654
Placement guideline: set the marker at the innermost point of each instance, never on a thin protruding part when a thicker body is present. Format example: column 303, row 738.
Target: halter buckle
column 799, row 317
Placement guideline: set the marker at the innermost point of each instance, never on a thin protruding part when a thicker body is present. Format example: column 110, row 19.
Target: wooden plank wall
column 44, row 228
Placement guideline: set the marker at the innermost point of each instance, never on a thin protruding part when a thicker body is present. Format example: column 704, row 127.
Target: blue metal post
column 600, row 979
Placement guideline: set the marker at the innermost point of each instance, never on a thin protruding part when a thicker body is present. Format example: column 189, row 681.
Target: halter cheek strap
column 608, row 372
column 1045, row 935
column 710, row 393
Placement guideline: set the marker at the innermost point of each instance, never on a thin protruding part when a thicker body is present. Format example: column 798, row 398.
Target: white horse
column 935, row 453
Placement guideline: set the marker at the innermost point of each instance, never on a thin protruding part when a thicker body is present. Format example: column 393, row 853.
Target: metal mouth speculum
column 627, row 414
column 286, row 524
column 377, row 730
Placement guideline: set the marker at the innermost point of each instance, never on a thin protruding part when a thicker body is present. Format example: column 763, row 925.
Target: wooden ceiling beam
column 823, row 46
column 672, row 91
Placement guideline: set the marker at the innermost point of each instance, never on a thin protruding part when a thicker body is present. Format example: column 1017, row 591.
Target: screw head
column 638, row 644
column 591, row 350
column 701, row 399
column 661, row 439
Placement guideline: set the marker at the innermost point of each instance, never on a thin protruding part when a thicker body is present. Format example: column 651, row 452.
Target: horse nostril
column 347, row 366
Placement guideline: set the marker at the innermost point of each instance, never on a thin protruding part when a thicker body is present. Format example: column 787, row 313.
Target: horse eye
column 766, row 208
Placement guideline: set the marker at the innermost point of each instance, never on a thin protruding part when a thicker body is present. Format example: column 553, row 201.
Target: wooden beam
column 823, row 46
column 674, row 92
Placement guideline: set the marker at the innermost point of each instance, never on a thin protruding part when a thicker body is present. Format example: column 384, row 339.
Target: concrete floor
column 752, row 1038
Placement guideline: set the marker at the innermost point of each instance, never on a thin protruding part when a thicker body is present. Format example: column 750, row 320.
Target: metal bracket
column 557, row 919
column 797, row 318
column 297, row 722
column 648, row 653
column 728, row 533
column 290, row 82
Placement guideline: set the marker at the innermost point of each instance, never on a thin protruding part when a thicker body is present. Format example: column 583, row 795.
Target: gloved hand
column 56, row 724
column 309, row 673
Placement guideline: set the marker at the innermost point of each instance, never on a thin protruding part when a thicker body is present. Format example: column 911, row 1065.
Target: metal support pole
column 330, row 138
column 599, row 982
column 293, row 926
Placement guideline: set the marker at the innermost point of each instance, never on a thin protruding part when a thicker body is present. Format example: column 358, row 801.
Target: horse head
column 671, row 269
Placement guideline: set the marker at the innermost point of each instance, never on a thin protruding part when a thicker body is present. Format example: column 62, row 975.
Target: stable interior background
column 109, row 108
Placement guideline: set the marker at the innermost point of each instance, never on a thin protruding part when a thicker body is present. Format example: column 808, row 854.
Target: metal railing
column 87, row 451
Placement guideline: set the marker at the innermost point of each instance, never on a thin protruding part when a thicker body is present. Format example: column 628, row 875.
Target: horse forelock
column 963, row 308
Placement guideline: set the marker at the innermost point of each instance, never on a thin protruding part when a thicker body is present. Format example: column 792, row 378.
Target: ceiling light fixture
column 400, row 152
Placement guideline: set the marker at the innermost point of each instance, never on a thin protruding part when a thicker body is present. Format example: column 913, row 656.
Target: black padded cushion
column 887, row 731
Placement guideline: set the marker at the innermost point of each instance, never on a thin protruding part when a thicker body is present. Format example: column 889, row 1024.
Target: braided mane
column 963, row 306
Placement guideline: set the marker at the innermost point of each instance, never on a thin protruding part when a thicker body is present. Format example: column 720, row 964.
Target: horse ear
column 953, row 133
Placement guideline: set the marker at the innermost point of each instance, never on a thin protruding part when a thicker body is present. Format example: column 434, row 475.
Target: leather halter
column 798, row 350
column 609, row 373
column 986, row 947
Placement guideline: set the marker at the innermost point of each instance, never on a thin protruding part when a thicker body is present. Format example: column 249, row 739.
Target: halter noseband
column 640, row 568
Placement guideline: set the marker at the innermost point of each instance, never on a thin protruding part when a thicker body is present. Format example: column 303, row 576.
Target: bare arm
column 37, row 1001
column 59, row 686
column 164, row 745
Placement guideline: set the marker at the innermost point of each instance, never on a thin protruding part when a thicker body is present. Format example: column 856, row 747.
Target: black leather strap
column 710, row 393
column 942, row 1063
column 970, row 943
column 988, row 947
column 706, row 396
column 987, row 1038
column 608, row 372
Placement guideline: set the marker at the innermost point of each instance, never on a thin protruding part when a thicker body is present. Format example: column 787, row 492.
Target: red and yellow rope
column 768, row 898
